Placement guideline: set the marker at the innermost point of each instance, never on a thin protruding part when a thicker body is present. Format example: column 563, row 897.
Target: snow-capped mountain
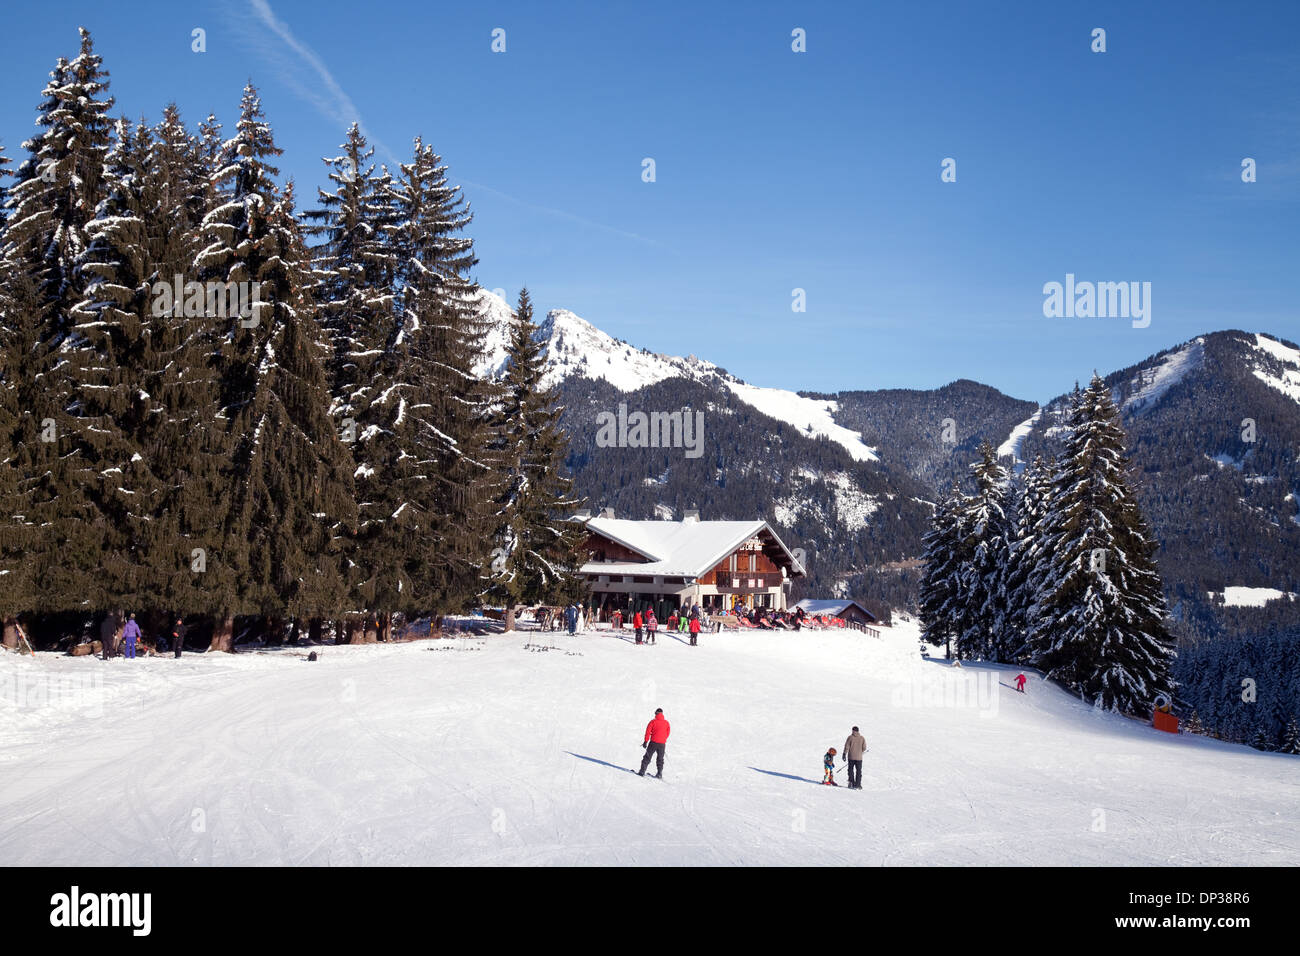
column 1214, row 427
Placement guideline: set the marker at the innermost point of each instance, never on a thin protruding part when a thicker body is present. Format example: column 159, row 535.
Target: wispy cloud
column 332, row 101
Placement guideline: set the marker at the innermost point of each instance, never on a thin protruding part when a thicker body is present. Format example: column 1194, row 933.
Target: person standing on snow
column 570, row 619
column 656, row 739
column 854, row 748
column 178, row 637
column 131, row 633
column 651, row 625
column 828, row 765
column 636, row 623
column 1020, row 683
column 695, row 630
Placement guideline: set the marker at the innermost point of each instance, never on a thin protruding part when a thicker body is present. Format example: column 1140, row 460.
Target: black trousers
column 638, row 635
column 655, row 750
column 855, row 773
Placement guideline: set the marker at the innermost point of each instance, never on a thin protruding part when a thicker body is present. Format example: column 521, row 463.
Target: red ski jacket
column 657, row 731
column 695, row 625
column 636, row 619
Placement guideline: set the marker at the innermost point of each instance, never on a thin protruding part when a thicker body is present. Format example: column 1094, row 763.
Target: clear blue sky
column 778, row 170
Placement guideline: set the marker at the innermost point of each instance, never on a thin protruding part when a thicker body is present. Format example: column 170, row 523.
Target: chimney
column 607, row 512
column 690, row 516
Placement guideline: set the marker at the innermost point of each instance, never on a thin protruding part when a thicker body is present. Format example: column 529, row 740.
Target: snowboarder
column 131, row 633
column 695, row 630
column 1020, row 682
column 656, row 738
column 636, row 623
column 178, row 637
column 854, row 748
column 828, row 764
column 651, row 625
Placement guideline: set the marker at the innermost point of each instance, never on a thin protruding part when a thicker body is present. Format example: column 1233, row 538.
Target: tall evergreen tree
column 449, row 405
column 1026, row 550
column 355, row 273
column 942, row 579
column 537, row 549
column 987, row 547
column 1099, row 621
column 58, row 188
column 291, row 494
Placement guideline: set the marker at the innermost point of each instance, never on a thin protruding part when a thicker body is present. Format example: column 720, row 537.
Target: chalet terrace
column 675, row 564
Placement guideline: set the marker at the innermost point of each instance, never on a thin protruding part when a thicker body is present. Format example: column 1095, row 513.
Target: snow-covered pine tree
column 57, row 190
column 291, row 494
column 1193, row 725
column 449, row 405
column 941, row 577
column 1099, row 620
column 1291, row 738
column 987, row 547
column 355, row 274
column 537, row 550
column 1034, row 491
column 107, row 357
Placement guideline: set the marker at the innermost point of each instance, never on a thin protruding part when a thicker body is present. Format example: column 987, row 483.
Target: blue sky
column 779, row 170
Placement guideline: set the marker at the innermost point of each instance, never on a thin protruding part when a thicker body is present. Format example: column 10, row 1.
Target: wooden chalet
column 675, row 564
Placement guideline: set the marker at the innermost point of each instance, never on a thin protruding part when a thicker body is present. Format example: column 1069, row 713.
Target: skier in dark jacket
column 656, row 739
column 178, row 637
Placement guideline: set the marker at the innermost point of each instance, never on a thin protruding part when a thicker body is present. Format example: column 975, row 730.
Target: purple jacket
column 131, row 631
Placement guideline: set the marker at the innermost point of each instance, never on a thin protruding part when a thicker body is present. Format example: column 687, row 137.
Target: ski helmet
column 831, row 751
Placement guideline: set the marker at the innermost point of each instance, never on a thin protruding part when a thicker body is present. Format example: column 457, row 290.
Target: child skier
column 636, row 623
column 828, row 764
column 651, row 625
column 695, row 630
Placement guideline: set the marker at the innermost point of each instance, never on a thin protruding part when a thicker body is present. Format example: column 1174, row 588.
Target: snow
column 1149, row 385
column 813, row 417
column 477, row 752
column 1238, row 596
column 1285, row 380
column 576, row 347
column 1015, row 441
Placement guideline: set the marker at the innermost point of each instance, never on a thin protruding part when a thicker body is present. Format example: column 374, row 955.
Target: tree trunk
column 315, row 630
column 356, row 631
column 508, row 621
column 11, row 633
column 223, row 634
column 386, row 627
column 371, row 630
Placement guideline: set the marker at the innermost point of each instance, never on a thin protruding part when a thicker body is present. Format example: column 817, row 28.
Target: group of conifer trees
column 214, row 408
column 1056, row 570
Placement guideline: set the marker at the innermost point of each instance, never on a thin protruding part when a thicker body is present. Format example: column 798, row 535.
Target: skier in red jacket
column 1020, row 683
column 636, row 623
column 656, row 737
column 695, row 630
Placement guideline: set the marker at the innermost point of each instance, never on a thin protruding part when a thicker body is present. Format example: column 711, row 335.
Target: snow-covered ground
column 479, row 751
column 1016, row 440
column 1238, row 596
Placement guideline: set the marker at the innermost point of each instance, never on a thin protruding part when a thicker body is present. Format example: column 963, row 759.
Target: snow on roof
column 834, row 607
column 689, row 548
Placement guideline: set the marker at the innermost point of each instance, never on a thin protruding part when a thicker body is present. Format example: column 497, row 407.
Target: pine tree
column 1025, row 552
column 448, row 405
column 1291, row 738
column 355, row 275
column 537, row 550
column 987, row 547
column 58, row 188
column 941, row 577
column 1193, row 724
column 1099, row 620
column 291, row 495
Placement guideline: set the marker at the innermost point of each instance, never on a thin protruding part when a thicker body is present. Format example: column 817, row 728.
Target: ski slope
column 477, row 751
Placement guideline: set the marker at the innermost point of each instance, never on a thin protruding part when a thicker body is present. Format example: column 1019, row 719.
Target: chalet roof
column 834, row 607
column 688, row 548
